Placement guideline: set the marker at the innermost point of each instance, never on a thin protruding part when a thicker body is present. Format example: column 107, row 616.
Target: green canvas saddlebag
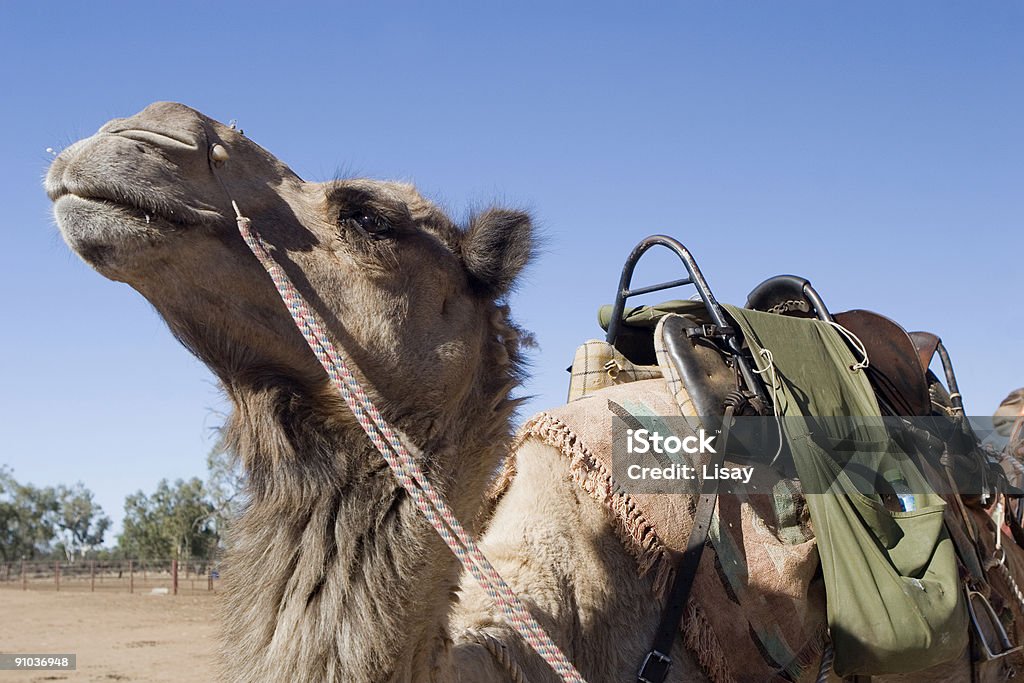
column 895, row 602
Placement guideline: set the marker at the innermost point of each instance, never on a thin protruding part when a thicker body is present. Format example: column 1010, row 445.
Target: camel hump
column 757, row 590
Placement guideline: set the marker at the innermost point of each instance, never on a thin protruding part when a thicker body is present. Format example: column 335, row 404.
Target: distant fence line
column 163, row 577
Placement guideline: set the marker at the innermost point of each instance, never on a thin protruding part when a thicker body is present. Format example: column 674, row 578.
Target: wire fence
column 160, row 577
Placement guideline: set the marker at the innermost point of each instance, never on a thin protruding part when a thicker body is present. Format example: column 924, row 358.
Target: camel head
column 409, row 296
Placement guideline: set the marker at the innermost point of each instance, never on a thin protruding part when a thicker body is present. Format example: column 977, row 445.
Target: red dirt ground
column 116, row 636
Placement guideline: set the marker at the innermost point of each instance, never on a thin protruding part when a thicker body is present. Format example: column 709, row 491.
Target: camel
column 336, row 576
column 1009, row 411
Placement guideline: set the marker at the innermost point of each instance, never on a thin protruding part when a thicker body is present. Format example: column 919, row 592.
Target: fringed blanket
column 757, row 608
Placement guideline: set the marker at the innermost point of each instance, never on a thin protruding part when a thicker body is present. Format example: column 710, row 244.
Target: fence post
column 174, row 577
column 92, row 576
column 209, row 579
column 56, row 574
column 24, row 577
column 131, row 576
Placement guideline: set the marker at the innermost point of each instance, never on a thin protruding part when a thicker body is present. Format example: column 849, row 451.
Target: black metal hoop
column 732, row 339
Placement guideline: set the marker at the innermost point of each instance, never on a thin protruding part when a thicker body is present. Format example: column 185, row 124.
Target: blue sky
column 874, row 147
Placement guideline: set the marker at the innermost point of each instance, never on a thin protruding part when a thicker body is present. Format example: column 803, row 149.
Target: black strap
column 1014, row 521
column 658, row 661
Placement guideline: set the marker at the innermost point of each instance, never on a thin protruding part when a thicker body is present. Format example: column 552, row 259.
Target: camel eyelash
column 360, row 212
column 369, row 224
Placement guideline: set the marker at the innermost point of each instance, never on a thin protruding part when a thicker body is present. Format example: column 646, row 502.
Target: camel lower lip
column 104, row 233
column 70, row 204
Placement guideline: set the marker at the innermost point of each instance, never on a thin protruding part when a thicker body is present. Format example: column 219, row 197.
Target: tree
column 27, row 518
column 80, row 522
column 175, row 521
column 225, row 485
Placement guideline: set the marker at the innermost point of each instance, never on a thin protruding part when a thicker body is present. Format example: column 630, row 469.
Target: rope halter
column 405, row 468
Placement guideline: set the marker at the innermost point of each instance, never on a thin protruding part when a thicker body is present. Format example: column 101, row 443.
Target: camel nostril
column 219, row 155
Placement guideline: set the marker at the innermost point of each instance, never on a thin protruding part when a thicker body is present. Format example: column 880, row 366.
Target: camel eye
column 369, row 224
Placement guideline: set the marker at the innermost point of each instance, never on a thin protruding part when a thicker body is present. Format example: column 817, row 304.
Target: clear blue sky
column 874, row 147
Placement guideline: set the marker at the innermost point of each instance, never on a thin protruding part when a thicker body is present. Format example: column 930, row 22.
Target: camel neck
column 351, row 582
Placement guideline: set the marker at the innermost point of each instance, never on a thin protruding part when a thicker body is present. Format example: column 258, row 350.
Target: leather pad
column 698, row 364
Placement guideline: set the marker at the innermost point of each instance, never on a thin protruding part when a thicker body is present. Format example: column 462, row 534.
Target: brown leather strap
column 958, row 522
column 658, row 661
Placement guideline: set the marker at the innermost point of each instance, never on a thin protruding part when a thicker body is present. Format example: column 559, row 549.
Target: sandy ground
column 117, row 637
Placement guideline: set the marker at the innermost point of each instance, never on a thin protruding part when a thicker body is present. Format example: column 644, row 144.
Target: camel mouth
column 106, row 219
column 122, row 190
column 149, row 213
column 126, row 200
column 106, row 233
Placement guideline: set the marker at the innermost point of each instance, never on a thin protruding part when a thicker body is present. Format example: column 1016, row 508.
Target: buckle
column 655, row 668
column 710, row 331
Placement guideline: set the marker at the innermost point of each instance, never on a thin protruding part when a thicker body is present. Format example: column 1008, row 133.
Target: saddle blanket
column 757, row 608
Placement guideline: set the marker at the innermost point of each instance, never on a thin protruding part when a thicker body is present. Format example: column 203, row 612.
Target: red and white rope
column 405, row 468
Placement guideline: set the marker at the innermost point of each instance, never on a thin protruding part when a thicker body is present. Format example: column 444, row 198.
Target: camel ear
column 496, row 247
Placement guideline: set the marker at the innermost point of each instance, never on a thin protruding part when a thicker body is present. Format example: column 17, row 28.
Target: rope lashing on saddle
column 857, row 344
column 1004, row 571
column 770, row 369
column 405, row 468
column 998, row 559
column 766, row 354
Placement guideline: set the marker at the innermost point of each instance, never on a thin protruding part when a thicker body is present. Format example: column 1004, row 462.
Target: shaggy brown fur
column 410, row 296
column 339, row 579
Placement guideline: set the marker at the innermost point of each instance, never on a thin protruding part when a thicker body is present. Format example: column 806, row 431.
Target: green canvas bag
column 895, row 602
